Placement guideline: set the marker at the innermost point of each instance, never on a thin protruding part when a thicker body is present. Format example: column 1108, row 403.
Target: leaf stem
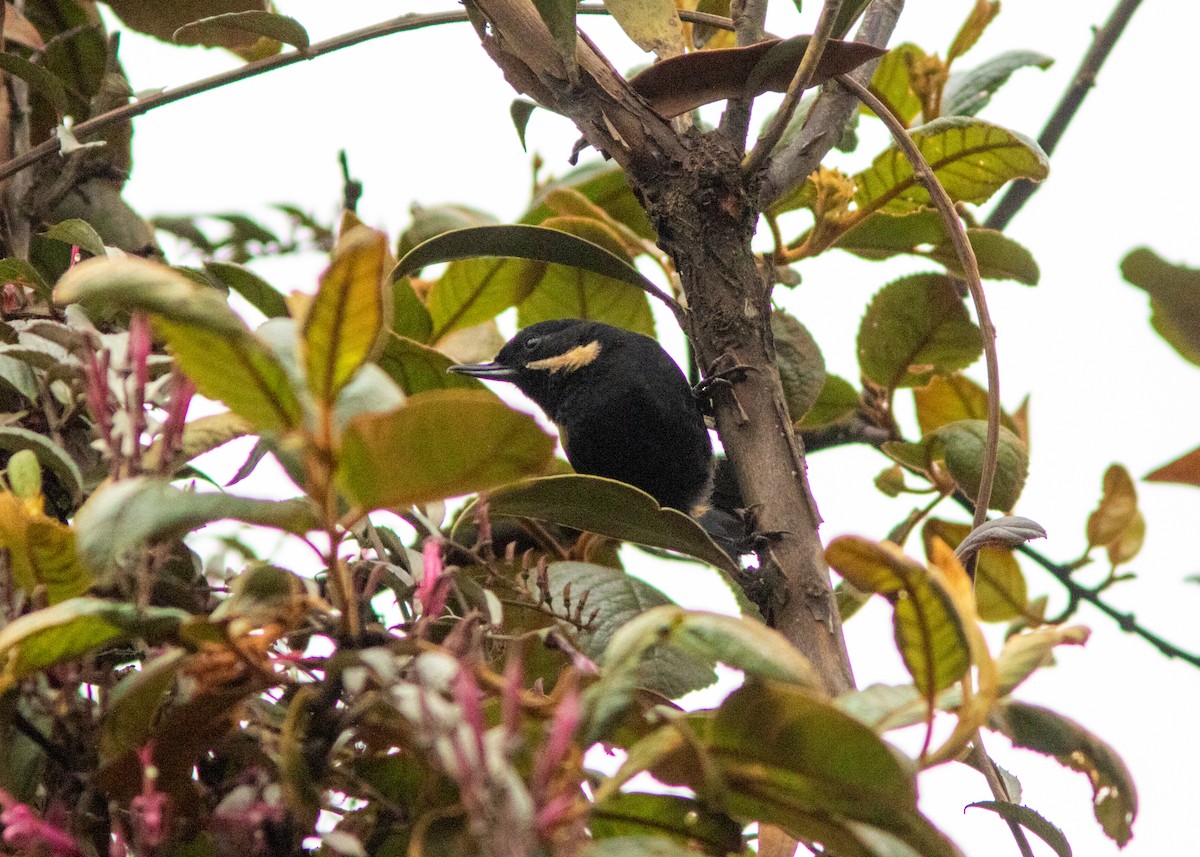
column 970, row 266
column 801, row 80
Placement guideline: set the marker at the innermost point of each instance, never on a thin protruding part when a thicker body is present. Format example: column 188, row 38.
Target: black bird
column 623, row 408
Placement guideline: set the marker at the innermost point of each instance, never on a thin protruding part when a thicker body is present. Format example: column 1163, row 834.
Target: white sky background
column 424, row 117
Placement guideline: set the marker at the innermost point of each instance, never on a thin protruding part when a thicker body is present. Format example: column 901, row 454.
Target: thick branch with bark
column 691, row 186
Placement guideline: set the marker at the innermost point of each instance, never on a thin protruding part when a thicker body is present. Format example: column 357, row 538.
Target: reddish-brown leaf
column 683, row 83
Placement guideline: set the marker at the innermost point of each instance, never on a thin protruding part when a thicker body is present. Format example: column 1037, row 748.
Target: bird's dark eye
column 532, row 342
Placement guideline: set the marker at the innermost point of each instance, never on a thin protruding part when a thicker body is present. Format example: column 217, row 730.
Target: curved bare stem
column 966, row 257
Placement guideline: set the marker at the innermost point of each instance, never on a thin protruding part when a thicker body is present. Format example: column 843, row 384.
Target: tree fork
column 691, row 186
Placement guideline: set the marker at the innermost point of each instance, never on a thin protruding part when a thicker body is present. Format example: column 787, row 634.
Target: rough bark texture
column 692, row 188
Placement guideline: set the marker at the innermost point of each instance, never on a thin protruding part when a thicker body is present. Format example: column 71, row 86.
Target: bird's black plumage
column 623, row 407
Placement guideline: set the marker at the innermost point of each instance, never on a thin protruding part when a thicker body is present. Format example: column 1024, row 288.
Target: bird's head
column 544, row 355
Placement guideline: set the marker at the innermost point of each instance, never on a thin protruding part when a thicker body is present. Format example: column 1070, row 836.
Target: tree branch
column 832, row 110
column 748, row 18
column 1085, row 78
column 769, row 139
column 966, row 257
column 1127, row 622
column 412, row 21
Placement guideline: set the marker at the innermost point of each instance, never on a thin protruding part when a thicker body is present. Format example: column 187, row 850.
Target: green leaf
column 636, row 846
column 566, row 291
column 735, row 641
column 417, row 368
column 258, row 292
column 41, row 81
column 239, row 370
column 882, row 236
column 962, row 445
column 929, row 631
column 122, row 516
column 559, row 18
column 967, row 93
column 210, row 342
column 788, row 758
column 608, row 508
column 520, row 110
column 617, row 599
column 49, row 454
column 480, row 442
column 606, row 185
column 914, row 328
column 971, row 158
column 1174, row 299
column 838, row 399
column 891, row 82
column 23, row 274
column 680, row 818
column 75, row 627
column 1000, row 592
column 216, row 29
column 1044, row 731
column 466, row 296
column 410, row 318
column 431, row 221
column 78, row 233
column 347, row 314
column 134, row 702
column 800, row 363
column 1028, row 651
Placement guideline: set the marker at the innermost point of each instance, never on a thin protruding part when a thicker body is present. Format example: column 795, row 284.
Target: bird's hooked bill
column 495, row 371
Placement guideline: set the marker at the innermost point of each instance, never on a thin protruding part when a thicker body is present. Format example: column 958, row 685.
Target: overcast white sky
column 424, row 118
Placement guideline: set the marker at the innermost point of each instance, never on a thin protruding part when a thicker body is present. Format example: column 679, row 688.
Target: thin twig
column 411, row 21
column 769, row 138
column 748, row 18
column 966, row 257
column 1127, row 622
column 987, row 767
column 1077, row 593
column 827, row 120
column 1085, row 78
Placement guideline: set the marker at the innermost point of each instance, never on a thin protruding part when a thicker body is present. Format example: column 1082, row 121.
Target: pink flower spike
column 432, row 589
column 553, row 814
column 24, row 831
column 467, row 695
column 139, row 348
column 149, row 808
column 562, row 733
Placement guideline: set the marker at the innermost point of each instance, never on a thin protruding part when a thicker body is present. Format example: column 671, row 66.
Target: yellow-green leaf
column 442, row 443
column 653, row 25
column 1000, row 592
column 347, row 314
column 891, row 82
column 239, row 370
column 971, row 158
column 929, row 631
column 75, row 627
column 950, row 398
column 1117, row 510
column 1174, row 299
